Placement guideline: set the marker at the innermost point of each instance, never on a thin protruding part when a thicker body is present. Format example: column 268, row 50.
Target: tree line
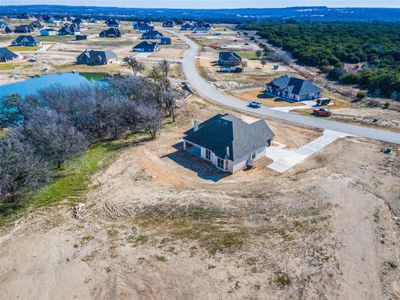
column 328, row 46
column 44, row 130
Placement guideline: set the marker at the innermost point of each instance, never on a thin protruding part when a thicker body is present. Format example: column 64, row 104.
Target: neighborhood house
column 69, row 29
column 168, row 24
column 113, row 23
column 152, row 35
column 26, row 40
column 24, row 29
column 146, row 46
column 228, row 142
column 111, row 32
column 7, row 55
column 293, row 88
column 229, row 60
column 143, row 26
column 48, row 32
column 94, row 57
column 165, row 41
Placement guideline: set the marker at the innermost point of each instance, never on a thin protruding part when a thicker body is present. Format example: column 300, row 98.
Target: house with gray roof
column 143, row 26
column 228, row 59
column 152, row 35
column 113, row 23
column 146, row 46
column 26, row 40
column 293, row 88
column 111, row 32
column 227, row 142
column 7, row 55
column 96, row 57
column 69, row 29
column 24, row 29
column 3, row 24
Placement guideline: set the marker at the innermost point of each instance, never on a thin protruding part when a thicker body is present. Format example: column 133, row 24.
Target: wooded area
column 44, row 130
column 328, row 46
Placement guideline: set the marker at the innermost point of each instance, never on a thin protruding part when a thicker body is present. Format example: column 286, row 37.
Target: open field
column 159, row 223
column 23, row 48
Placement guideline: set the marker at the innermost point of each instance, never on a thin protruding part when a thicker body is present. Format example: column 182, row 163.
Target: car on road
column 255, row 104
column 323, row 112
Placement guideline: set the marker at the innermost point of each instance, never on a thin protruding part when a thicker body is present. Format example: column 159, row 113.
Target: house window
column 221, row 163
column 253, row 155
column 208, row 154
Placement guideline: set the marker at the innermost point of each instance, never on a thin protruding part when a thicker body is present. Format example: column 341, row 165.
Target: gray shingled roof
column 295, row 85
column 151, row 34
column 96, row 57
column 6, row 54
column 229, row 57
column 26, row 39
column 222, row 131
column 148, row 46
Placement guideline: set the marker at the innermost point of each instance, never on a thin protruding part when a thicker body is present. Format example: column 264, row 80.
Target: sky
column 212, row 3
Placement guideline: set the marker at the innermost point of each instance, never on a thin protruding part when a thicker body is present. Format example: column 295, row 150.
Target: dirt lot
column 161, row 224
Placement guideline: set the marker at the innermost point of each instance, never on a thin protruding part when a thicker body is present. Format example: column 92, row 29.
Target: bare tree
column 264, row 61
column 150, row 118
column 132, row 63
column 21, row 169
column 53, row 136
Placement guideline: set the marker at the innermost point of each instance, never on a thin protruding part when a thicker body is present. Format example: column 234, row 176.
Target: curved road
column 207, row 90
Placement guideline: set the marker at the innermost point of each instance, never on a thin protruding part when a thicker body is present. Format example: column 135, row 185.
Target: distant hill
column 318, row 13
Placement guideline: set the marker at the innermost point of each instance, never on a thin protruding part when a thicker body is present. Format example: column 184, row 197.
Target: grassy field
column 8, row 66
column 56, row 38
column 22, row 48
column 248, row 54
column 72, row 180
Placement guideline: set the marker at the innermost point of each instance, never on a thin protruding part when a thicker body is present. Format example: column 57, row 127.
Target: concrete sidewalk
column 286, row 159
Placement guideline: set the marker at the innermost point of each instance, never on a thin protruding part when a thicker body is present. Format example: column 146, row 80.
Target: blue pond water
column 32, row 85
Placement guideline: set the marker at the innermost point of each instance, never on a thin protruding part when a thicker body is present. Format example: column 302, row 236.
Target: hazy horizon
column 212, row 4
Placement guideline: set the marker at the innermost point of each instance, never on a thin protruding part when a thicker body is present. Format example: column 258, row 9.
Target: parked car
column 255, row 104
column 323, row 112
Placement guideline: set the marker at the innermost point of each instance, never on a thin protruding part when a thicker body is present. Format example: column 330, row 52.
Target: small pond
column 32, row 85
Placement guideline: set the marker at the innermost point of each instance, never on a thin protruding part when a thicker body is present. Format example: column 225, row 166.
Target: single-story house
column 69, row 29
column 113, row 23
column 293, row 88
column 227, row 142
column 26, row 40
column 7, row 55
column 229, row 59
column 146, row 46
column 24, row 29
column 165, row 41
column 36, row 24
column 187, row 26
column 202, row 27
column 3, row 24
column 48, row 32
column 24, row 16
column 77, row 21
column 111, row 32
column 96, row 57
column 168, row 24
column 143, row 26
column 8, row 29
column 48, row 19
column 152, row 35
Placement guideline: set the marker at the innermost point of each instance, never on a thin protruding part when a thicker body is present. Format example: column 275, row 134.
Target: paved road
column 207, row 90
